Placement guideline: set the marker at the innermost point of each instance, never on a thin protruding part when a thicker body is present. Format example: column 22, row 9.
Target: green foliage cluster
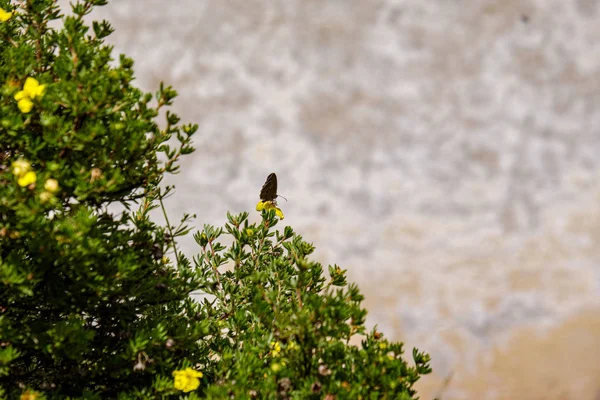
column 285, row 329
column 96, row 304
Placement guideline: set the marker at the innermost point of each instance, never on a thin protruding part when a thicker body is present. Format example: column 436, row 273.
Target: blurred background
column 446, row 153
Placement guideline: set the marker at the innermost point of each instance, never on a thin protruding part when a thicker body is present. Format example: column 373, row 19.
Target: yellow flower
column 5, row 15
column 187, row 379
column 29, row 395
column 31, row 90
column 267, row 205
column 27, row 179
column 51, row 185
column 275, row 348
column 20, row 167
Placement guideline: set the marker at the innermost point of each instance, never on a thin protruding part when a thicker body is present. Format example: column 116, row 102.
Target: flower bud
column 45, row 197
column 51, row 185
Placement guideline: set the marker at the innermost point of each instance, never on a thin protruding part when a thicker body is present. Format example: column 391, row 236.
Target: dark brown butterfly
column 269, row 189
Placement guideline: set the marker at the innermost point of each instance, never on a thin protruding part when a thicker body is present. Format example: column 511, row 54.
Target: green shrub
column 95, row 303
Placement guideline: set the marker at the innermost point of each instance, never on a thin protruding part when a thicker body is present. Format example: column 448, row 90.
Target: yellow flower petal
column 279, row 213
column 25, row 105
column 30, row 85
column 29, row 395
column 4, row 15
column 27, row 179
column 39, row 91
column 20, row 95
column 267, row 205
column 20, row 167
column 33, row 88
column 193, row 373
column 275, row 349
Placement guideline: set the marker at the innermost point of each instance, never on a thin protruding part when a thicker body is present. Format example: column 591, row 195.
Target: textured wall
column 445, row 152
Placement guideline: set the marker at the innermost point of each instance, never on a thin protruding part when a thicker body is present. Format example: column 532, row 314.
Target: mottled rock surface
column 445, row 152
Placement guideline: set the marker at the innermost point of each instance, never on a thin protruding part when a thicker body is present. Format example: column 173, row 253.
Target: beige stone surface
column 550, row 364
column 444, row 152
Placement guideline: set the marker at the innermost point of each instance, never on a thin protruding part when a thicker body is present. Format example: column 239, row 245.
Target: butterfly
column 269, row 189
column 268, row 196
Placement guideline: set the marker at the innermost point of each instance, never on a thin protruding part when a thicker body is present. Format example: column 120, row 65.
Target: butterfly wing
column 269, row 189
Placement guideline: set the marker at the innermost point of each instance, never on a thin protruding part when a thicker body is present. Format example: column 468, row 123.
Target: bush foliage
column 95, row 303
